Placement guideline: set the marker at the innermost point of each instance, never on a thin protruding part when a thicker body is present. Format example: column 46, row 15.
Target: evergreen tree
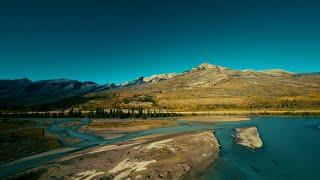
column 111, row 113
column 71, row 113
column 91, row 114
column 79, row 113
column 61, row 114
column 132, row 113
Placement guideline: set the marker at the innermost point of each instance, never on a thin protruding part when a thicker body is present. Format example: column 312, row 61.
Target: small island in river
column 249, row 137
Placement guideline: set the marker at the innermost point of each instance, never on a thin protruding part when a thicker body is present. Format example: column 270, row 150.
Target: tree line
column 140, row 112
column 46, row 114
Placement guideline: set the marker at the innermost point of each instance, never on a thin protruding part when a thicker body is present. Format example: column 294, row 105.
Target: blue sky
column 114, row 41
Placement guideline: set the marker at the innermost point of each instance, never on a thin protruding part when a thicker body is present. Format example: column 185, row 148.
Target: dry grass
column 24, row 142
column 214, row 119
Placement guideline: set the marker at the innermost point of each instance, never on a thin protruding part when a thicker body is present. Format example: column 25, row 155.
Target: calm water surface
column 291, row 150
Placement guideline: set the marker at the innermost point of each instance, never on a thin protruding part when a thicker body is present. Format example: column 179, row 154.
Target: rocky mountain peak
column 208, row 66
column 131, row 83
column 159, row 77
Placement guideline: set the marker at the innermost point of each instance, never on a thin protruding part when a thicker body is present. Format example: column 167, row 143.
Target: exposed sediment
column 166, row 156
column 249, row 137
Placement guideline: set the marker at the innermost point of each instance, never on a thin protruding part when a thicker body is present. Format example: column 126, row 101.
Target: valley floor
column 116, row 149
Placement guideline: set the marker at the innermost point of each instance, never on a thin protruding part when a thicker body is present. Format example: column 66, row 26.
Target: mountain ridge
column 204, row 81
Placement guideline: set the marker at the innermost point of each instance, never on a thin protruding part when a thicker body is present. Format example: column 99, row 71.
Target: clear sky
column 119, row 40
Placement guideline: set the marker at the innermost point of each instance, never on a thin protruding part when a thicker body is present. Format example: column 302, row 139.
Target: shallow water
column 87, row 139
column 290, row 151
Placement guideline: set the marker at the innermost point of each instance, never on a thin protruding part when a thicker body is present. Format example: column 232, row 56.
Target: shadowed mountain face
column 26, row 92
column 205, row 87
column 11, row 88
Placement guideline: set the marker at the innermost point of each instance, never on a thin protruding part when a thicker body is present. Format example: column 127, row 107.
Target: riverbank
column 302, row 112
column 156, row 156
column 214, row 118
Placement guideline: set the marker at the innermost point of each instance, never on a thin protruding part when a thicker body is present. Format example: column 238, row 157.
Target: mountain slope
column 211, row 87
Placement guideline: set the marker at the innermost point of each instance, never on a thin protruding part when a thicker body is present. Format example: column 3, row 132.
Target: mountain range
column 205, row 87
